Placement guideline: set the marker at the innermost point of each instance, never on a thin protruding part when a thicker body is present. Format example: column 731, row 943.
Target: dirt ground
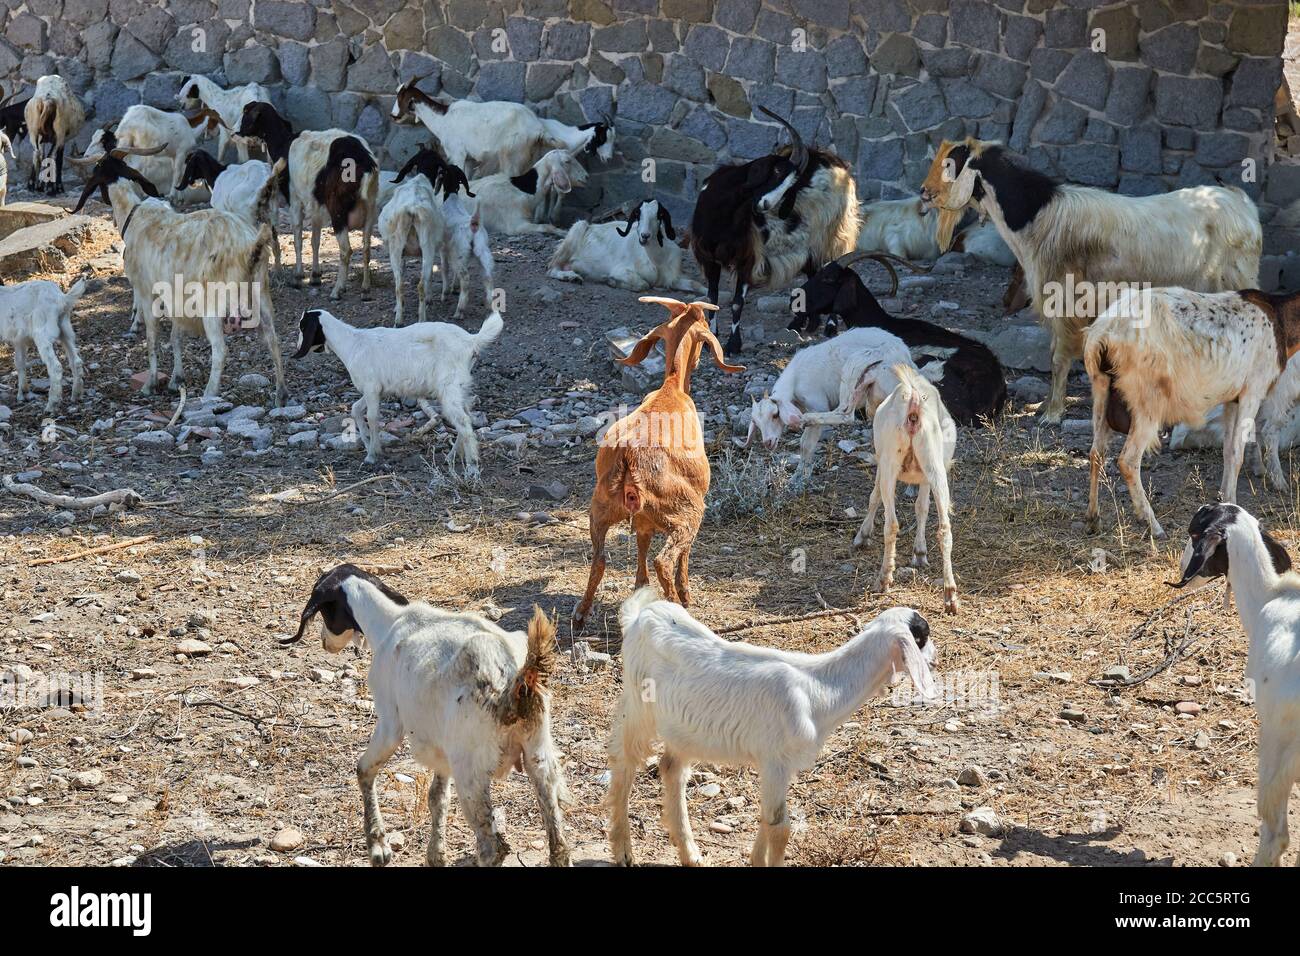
column 202, row 759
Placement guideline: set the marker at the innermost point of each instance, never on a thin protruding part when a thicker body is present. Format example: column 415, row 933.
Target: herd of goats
column 1185, row 334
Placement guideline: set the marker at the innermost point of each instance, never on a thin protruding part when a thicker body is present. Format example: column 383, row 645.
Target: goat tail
column 525, row 698
column 569, row 245
column 1096, row 359
column 266, row 195
column 261, row 249
column 631, row 609
column 489, row 331
column 74, row 293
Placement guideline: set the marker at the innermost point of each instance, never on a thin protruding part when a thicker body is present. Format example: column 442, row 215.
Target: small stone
column 126, row 577
column 555, row 491
column 1073, row 715
column 709, row 791
column 1228, row 859
column 287, row 840
column 982, row 820
column 86, row 779
column 321, row 676
column 1118, row 672
column 192, row 647
column 1202, row 741
column 717, row 826
column 143, row 673
column 22, row 736
column 972, row 777
column 1190, row 707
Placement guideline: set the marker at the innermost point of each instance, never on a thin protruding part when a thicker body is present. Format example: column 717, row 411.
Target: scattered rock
column 126, row 576
column 1072, row 714
column 86, row 779
column 1190, row 707
column 984, row 821
column 709, row 791
column 192, row 647
column 555, row 491
column 972, row 777
column 1201, row 741
column 287, row 840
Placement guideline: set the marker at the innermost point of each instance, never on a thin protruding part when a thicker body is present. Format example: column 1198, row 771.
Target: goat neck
column 848, row 676
column 684, row 336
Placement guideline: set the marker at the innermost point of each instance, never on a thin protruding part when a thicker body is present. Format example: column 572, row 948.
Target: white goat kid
column 737, row 704
column 915, row 439
column 38, row 313
column 411, row 222
column 421, row 361
column 641, row 255
column 1224, row 539
column 513, row 205
column 470, row 698
column 464, row 237
column 5, row 146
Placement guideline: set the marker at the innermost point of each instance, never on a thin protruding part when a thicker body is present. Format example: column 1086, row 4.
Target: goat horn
column 798, row 151
column 884, row 258
column 122, row 151
column 84, row 160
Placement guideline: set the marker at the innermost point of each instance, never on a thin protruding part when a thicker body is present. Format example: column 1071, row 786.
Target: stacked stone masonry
column 1136, row 97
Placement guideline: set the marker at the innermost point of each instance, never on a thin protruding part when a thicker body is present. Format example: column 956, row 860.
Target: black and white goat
column 470, row 698
column 332, row 174
column 237, row 188
column 639, row 255
column 463, row 238
column 411, row 222
column 514, row 205
column 967, row 373
column 144, row 127
column 53, row 115
column 198, row 90
column 770, row 219
column 1225, row 540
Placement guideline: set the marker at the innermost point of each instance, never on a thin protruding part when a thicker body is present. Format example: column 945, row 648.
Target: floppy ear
column 716, row 348
column 915, row 664
column 666, row 218
column 1281, row 560
column 1209, row 558
column 642, row 348
column 789, row 414
column 631, row 218
column 561, row 179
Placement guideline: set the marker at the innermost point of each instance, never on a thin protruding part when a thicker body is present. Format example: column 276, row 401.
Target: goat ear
column 916, row 666
column 667, row 219
column 642, row 348
column 789, row 414
column 1281, row 560
column 561, row 179
column 716, row 347
column 1206, row 556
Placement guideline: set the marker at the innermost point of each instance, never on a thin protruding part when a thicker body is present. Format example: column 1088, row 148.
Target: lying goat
column 422, row 361
column 470, row 698
column 741, row 705
column 514, row 205
column 634, row 256
column 38, row 313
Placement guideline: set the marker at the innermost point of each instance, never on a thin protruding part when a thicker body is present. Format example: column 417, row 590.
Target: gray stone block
column 1027, row 113
column 1254, row 83
column 751, row 59
column 296, row 21
column 953, row 61
column 645, row 103
column 966, row 99
column 525, row 36
column 1138, row 184
column 932, row 28
column 975, row 23
column 1173, row 49
column 855, row 95
column 502, row 81
column 180, row 53
column 329, row 65
column 295, row 62
column 110, row 99
column 920, row 106
column 131, row 58
column 1188, row 101
column 1140, row 149
column 880, row 159
column 701, row 125
column 1020, row 36
column 1129, row 94
column 1064, row 123
column 544, row 79
column 1085, row 80
column 1221, row 148
column 567, row 41
column 1066, row 28
column 160, row 89
column 626, row 37
column 998, row 75
column 308, row 107
column 845, row 57
column 373, row 72
column 738, row 16
column 747, row 140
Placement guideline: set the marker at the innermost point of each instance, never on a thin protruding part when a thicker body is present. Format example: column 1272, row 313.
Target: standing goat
column 39, row 313
column 1224, row 539
column 53, row 115
column 238, row 189
column 634, row 256
column 229, row 104
column 463, row 237
column 410, row 222
column 5, row 145
column 422, row 361
column 332, row 174
column 1078, row 245
column 772, row 218
column 651, row 466
column 204, row 271
column 513, row 205
column 915, row 438
column 738, row 704
column 470, row 698
column 143, row 127
column 1160, row 357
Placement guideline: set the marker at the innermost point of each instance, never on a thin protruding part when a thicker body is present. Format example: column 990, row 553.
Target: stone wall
column 1139, row 97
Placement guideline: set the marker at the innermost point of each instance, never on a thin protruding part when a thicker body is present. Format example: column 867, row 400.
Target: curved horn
column 123, row 151
column 798, row 151
column 884, row 258
column 84, row 160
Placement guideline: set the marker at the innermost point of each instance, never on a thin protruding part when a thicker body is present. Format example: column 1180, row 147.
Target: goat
column 612, row 253
column 53, row 115
column 1079, row 239
column 5, row 144
column 143, row 127
column 229, row 104
column 37, row 312
column 651, row 465
column 499, row 136
column 1159, row 357
column 738, row 704
column 772, row 218
column 464, row 236
column 13, row 119
column 915, row 438
column 968, row 375
column 821, row 378
column 331, row 173
column 237, row 189
column 470, row 698
column 513, row 205
column 412, row 222
column 594, row 139
column 429, row 359
column 173, row 259
column 1225, row 540
column 900, row 227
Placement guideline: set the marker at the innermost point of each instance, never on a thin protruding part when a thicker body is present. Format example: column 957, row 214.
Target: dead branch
column 1174, row 652
column 127, row 497
column 793, row 619
column 87, row 552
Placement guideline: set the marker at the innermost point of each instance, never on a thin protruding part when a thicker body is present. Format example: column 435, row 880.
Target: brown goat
column 651, row 466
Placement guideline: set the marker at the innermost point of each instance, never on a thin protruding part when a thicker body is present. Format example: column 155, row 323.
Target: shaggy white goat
column 238, row 189
column 470, row 698
column 512, row 205
column 1077, row 243
column 54, row 116
column 642, row 254
column 900, row 227
column 915, row 438
column 203, row 271
column 39, row 313
column 421, row 361
column 229, row 104
column 143, row 127
column 1164, row 356
column 737, row 704
column 1224, row 539
column 822, row 378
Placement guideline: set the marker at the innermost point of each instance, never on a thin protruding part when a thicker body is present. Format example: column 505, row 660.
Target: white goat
column 422, row 361
column 228, row 104
column 237, row 189
column 639, row 256
column 737, row 704
column 915, row 438
column 470, row 698
column 143, row 127
column 54, row 115
column 463, row 237
column 39, row 313
column 412, row 222
column 900, row 227
column 512, row 205
column 822, row 378
column 203, row 271
column 1224, row 539
column 5, row 144
column 1164, row 356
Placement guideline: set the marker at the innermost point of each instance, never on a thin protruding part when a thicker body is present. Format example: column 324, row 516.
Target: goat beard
column 946, row 226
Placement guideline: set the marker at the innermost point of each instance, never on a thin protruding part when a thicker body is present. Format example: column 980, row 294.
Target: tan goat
column 651, row 466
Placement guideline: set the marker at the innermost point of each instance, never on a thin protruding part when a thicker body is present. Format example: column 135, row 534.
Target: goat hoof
column 919, row 560
column 380, row 853
column 950, row 603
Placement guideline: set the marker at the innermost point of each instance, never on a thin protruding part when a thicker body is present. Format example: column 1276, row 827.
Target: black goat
column 973, row 384
column 13, row 122
column 772, row 218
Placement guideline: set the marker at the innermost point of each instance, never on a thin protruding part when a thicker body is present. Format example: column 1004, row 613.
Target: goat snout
column 643, row 238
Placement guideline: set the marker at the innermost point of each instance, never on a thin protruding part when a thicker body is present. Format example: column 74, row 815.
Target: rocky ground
column 213, row 744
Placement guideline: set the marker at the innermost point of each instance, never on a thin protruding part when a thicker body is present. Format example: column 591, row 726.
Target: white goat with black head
column 238, row 189
column 143, row 127
column 642, row 254
column 470, row 698
column 463, row 238
column 411, row 222
column 514, row 205
column 741, row 705
column 1225, row 540
column 229, row 104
